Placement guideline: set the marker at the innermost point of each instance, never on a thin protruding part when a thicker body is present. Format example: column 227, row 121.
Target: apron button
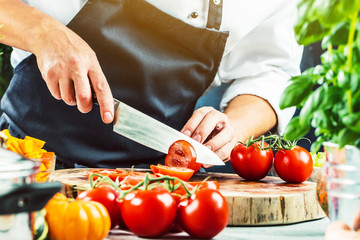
column 217, row 2
column 194, row 14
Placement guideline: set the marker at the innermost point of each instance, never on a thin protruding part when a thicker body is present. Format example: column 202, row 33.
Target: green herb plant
column 327, row 94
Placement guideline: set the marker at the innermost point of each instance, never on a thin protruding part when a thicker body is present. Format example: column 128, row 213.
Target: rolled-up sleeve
column 261, row 62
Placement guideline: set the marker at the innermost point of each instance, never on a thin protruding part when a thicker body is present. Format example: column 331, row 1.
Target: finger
column 67, row 91
column 223, row 153
column 223, row 137
column 52, row 82
column 211, row 122
column 54, row 89
column 195, row 120
column 357, row 221
column 83, row 93
column 339, row 230
column 103, row 93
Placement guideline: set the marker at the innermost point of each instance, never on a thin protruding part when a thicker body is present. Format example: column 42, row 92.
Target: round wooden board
column 270, row 201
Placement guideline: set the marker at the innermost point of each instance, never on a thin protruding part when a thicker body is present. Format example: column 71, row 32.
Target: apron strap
column 215, row 14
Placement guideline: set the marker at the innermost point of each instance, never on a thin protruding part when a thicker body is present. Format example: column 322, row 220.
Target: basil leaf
column 297, row 91
column 323, row 97
column 352, row 121
column 346, row 137
column 315, row 146
column 295, row 129
column 339, row 35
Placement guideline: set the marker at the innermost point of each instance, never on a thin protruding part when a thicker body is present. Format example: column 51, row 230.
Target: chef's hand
column 339, row 230
column 70, row 68
column 212, row 128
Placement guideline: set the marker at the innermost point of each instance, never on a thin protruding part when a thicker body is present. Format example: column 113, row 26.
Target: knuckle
column 69, row 100
column 83, row 97
column 204, row 110
column 221, row 154
column 101, row 86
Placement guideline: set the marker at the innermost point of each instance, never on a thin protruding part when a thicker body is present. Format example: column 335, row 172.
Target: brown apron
column 152, row 61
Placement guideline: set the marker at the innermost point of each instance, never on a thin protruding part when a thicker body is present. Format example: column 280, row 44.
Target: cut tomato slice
column 133, row 178
column 182, row 154
column 113, row 174
column 179, row 172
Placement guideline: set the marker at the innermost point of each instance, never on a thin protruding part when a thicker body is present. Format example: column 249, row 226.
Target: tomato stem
column 275, row 142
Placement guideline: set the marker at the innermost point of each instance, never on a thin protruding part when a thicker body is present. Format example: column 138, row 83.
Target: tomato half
column 182, row 154
column 179, row 172
column 113, row 174
column 108, row 197
column 204, row 215
column 149, row 213
column 251, row 163
column 293, row 166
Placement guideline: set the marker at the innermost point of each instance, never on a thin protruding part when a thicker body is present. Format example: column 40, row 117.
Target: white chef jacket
column 260, row 55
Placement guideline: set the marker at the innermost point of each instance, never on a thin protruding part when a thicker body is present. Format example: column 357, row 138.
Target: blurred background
column 5, row 68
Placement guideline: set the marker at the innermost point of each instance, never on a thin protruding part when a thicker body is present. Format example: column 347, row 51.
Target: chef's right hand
column 70, row 69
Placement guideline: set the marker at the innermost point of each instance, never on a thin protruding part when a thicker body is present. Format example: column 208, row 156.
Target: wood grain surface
column 270, row 201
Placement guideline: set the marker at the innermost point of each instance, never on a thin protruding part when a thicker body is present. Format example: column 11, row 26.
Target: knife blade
column 139, row 127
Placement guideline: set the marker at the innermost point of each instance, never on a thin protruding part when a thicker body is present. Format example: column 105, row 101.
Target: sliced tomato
column 133, row 178
column 182, row 154
column 113, row 174
column 179, row 172
column 207, row 184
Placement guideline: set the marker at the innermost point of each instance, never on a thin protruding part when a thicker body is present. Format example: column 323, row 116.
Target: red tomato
column 204, row 215
column 113, row 174
column 149, row 213
column 108, row 197
column 182, row 154
column 133, row 178
column 206, row 184
column 293, row 166
column 251, row 163
column 179, row 172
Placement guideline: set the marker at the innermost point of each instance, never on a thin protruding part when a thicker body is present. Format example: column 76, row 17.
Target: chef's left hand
column 212, row 128
column 339, row 230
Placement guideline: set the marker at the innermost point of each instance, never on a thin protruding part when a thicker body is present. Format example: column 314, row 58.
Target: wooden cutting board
column 270, row 201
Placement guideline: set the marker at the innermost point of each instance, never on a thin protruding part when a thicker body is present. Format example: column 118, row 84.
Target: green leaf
column 323, row 97
column 315, row 146
column 331, row 12
column 295, row 129
column 338, row 35
column 352, row 121
column 346, row 137
column 297, row 91
column 310, row 32
column 344, row 79
column 355, row 79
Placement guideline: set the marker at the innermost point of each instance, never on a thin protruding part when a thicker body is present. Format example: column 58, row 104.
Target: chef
column 158, row 56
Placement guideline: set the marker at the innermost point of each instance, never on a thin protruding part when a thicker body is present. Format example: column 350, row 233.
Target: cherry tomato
column 179, row 172
column 181, row 192
column 251, row 163
column 108, row 197
column 133, row 178
column 182, row 154
column 293, row 166
column 149, row 213
column 113, row 174
column 204, row 215
column 206, row 184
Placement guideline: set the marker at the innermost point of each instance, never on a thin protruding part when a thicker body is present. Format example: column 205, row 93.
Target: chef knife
column 141, row 128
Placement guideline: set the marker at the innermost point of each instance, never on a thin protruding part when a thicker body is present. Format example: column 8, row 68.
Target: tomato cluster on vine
column 254, row 159
column 153, row 205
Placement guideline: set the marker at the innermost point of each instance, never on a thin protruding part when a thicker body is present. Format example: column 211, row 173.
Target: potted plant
column 329, row 95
